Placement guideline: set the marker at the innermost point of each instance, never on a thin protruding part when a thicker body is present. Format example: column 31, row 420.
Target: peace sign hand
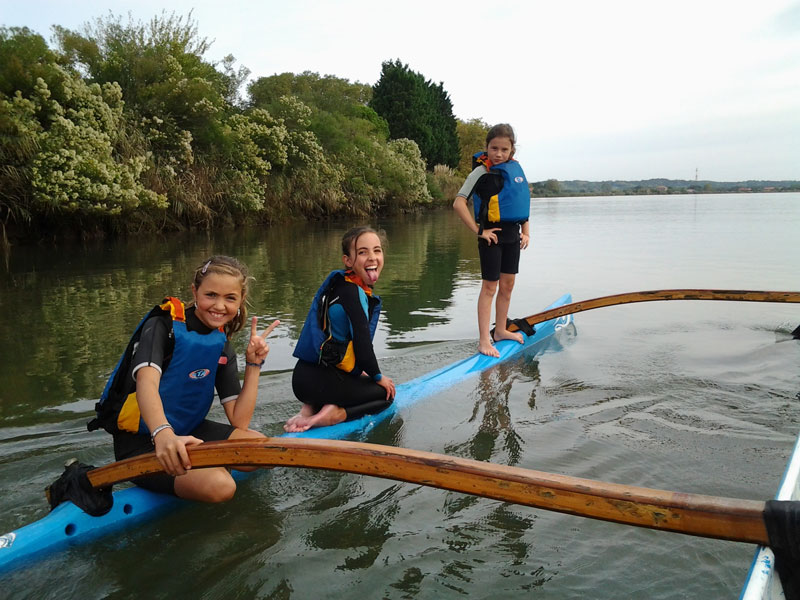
column 258, row 348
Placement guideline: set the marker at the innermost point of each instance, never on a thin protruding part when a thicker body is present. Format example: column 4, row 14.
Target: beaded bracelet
column 158, row 430
column 254, row 364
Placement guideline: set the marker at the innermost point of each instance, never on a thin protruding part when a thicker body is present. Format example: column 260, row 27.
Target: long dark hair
column 352, row 235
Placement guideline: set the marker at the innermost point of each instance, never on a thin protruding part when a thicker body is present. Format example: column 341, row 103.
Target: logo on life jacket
column 199, row 374
column 519, row 179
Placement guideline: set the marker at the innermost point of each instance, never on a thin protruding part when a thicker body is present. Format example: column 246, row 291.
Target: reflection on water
column 80, row 304
column 492, row 412
column 695, row 397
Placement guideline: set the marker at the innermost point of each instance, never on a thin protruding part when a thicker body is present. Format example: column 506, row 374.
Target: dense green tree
column 418, row 110
column 24, row 57
column 326, row 93
column 445, row 148
column 358, row 162
column 399, row 97
column 472, row 139
column 553, row 187
column 160, row 68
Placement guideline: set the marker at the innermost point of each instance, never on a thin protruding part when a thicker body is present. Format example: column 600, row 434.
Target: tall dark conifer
column 417, row 109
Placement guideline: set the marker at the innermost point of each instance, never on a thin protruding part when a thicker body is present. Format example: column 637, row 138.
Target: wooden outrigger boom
column 693, row 514
column 660, row 295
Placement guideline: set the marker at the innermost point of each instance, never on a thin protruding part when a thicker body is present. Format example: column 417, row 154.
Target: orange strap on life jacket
column 175, row 308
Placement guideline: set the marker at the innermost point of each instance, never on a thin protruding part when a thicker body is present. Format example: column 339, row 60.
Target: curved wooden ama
column 706, row 516
column 655, row 295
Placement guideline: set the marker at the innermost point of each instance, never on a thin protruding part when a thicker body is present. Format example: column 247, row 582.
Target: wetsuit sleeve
column 227, row 381
column 350, row 300
column 154, row 345
column 471, row 181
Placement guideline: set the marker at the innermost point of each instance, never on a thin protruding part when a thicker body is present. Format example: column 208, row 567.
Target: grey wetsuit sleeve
column 471, row 181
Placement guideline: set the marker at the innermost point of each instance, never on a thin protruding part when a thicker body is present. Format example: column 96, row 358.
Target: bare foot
column 505, row 334
column 330, row 414
column 290, row 424
column 306, row 411
column 487, row 347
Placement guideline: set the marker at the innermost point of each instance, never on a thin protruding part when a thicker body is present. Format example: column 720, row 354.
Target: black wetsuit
column 358, row 394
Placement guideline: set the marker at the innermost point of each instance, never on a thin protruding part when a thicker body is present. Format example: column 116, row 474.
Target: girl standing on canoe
column 501, row 204
column 337, row 377
column 159, row 395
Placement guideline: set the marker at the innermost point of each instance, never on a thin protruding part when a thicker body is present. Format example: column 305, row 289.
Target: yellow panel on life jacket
column 129, row 414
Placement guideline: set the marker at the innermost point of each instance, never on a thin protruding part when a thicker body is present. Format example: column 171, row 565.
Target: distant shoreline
column 670, row 193
column 553, row 188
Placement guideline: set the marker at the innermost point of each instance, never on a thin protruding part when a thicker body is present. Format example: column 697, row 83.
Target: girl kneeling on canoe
column 337, row 377
column 162, row 389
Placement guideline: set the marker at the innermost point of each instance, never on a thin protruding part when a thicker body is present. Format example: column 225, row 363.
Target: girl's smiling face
column 499, row 150
column 365, row 258
column 217, row 299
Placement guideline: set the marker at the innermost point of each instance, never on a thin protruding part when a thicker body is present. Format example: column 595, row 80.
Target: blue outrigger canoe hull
column 68, row 525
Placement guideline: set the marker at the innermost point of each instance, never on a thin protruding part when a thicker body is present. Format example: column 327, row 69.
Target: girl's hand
column 524, row 240
column 387, row 384
column 258, row 348
column 171, row 451
column 489, row 235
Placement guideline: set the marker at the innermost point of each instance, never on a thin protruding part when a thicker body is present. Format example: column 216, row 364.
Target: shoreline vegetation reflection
column 94, row 294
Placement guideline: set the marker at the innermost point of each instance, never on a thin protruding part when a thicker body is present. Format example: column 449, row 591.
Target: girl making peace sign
column 162, row 389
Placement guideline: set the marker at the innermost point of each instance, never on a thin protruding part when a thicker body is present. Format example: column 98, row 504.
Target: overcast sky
column 596, row 90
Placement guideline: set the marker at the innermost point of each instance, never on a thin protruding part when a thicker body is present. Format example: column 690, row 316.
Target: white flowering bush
column 388, row 177
column 261, row 138
column 410, row 174
column 172, row 145
column 76, row 169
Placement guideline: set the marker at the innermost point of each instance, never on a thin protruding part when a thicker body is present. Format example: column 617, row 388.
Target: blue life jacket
column 327, row 335
column 510, row 204
column 186, row 386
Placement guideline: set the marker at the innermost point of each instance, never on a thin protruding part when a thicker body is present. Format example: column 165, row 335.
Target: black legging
column 318, row 385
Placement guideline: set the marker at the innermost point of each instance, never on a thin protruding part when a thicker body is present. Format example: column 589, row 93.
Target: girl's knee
column 208, row 485
column 222, row 488
column 488, row 287
column 507, row 285
column 241, row 434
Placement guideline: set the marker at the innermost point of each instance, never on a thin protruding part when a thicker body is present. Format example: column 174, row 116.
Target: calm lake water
column 696, row 397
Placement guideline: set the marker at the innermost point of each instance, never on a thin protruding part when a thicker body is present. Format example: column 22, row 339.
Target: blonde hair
column 226, row 265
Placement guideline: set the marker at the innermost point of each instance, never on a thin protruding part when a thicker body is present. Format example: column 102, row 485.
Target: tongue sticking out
column 372, row 275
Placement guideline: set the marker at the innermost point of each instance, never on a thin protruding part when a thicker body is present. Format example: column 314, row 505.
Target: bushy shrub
column 19, row 143
column 447, row 181
column 126, row 127
column 76, row 168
